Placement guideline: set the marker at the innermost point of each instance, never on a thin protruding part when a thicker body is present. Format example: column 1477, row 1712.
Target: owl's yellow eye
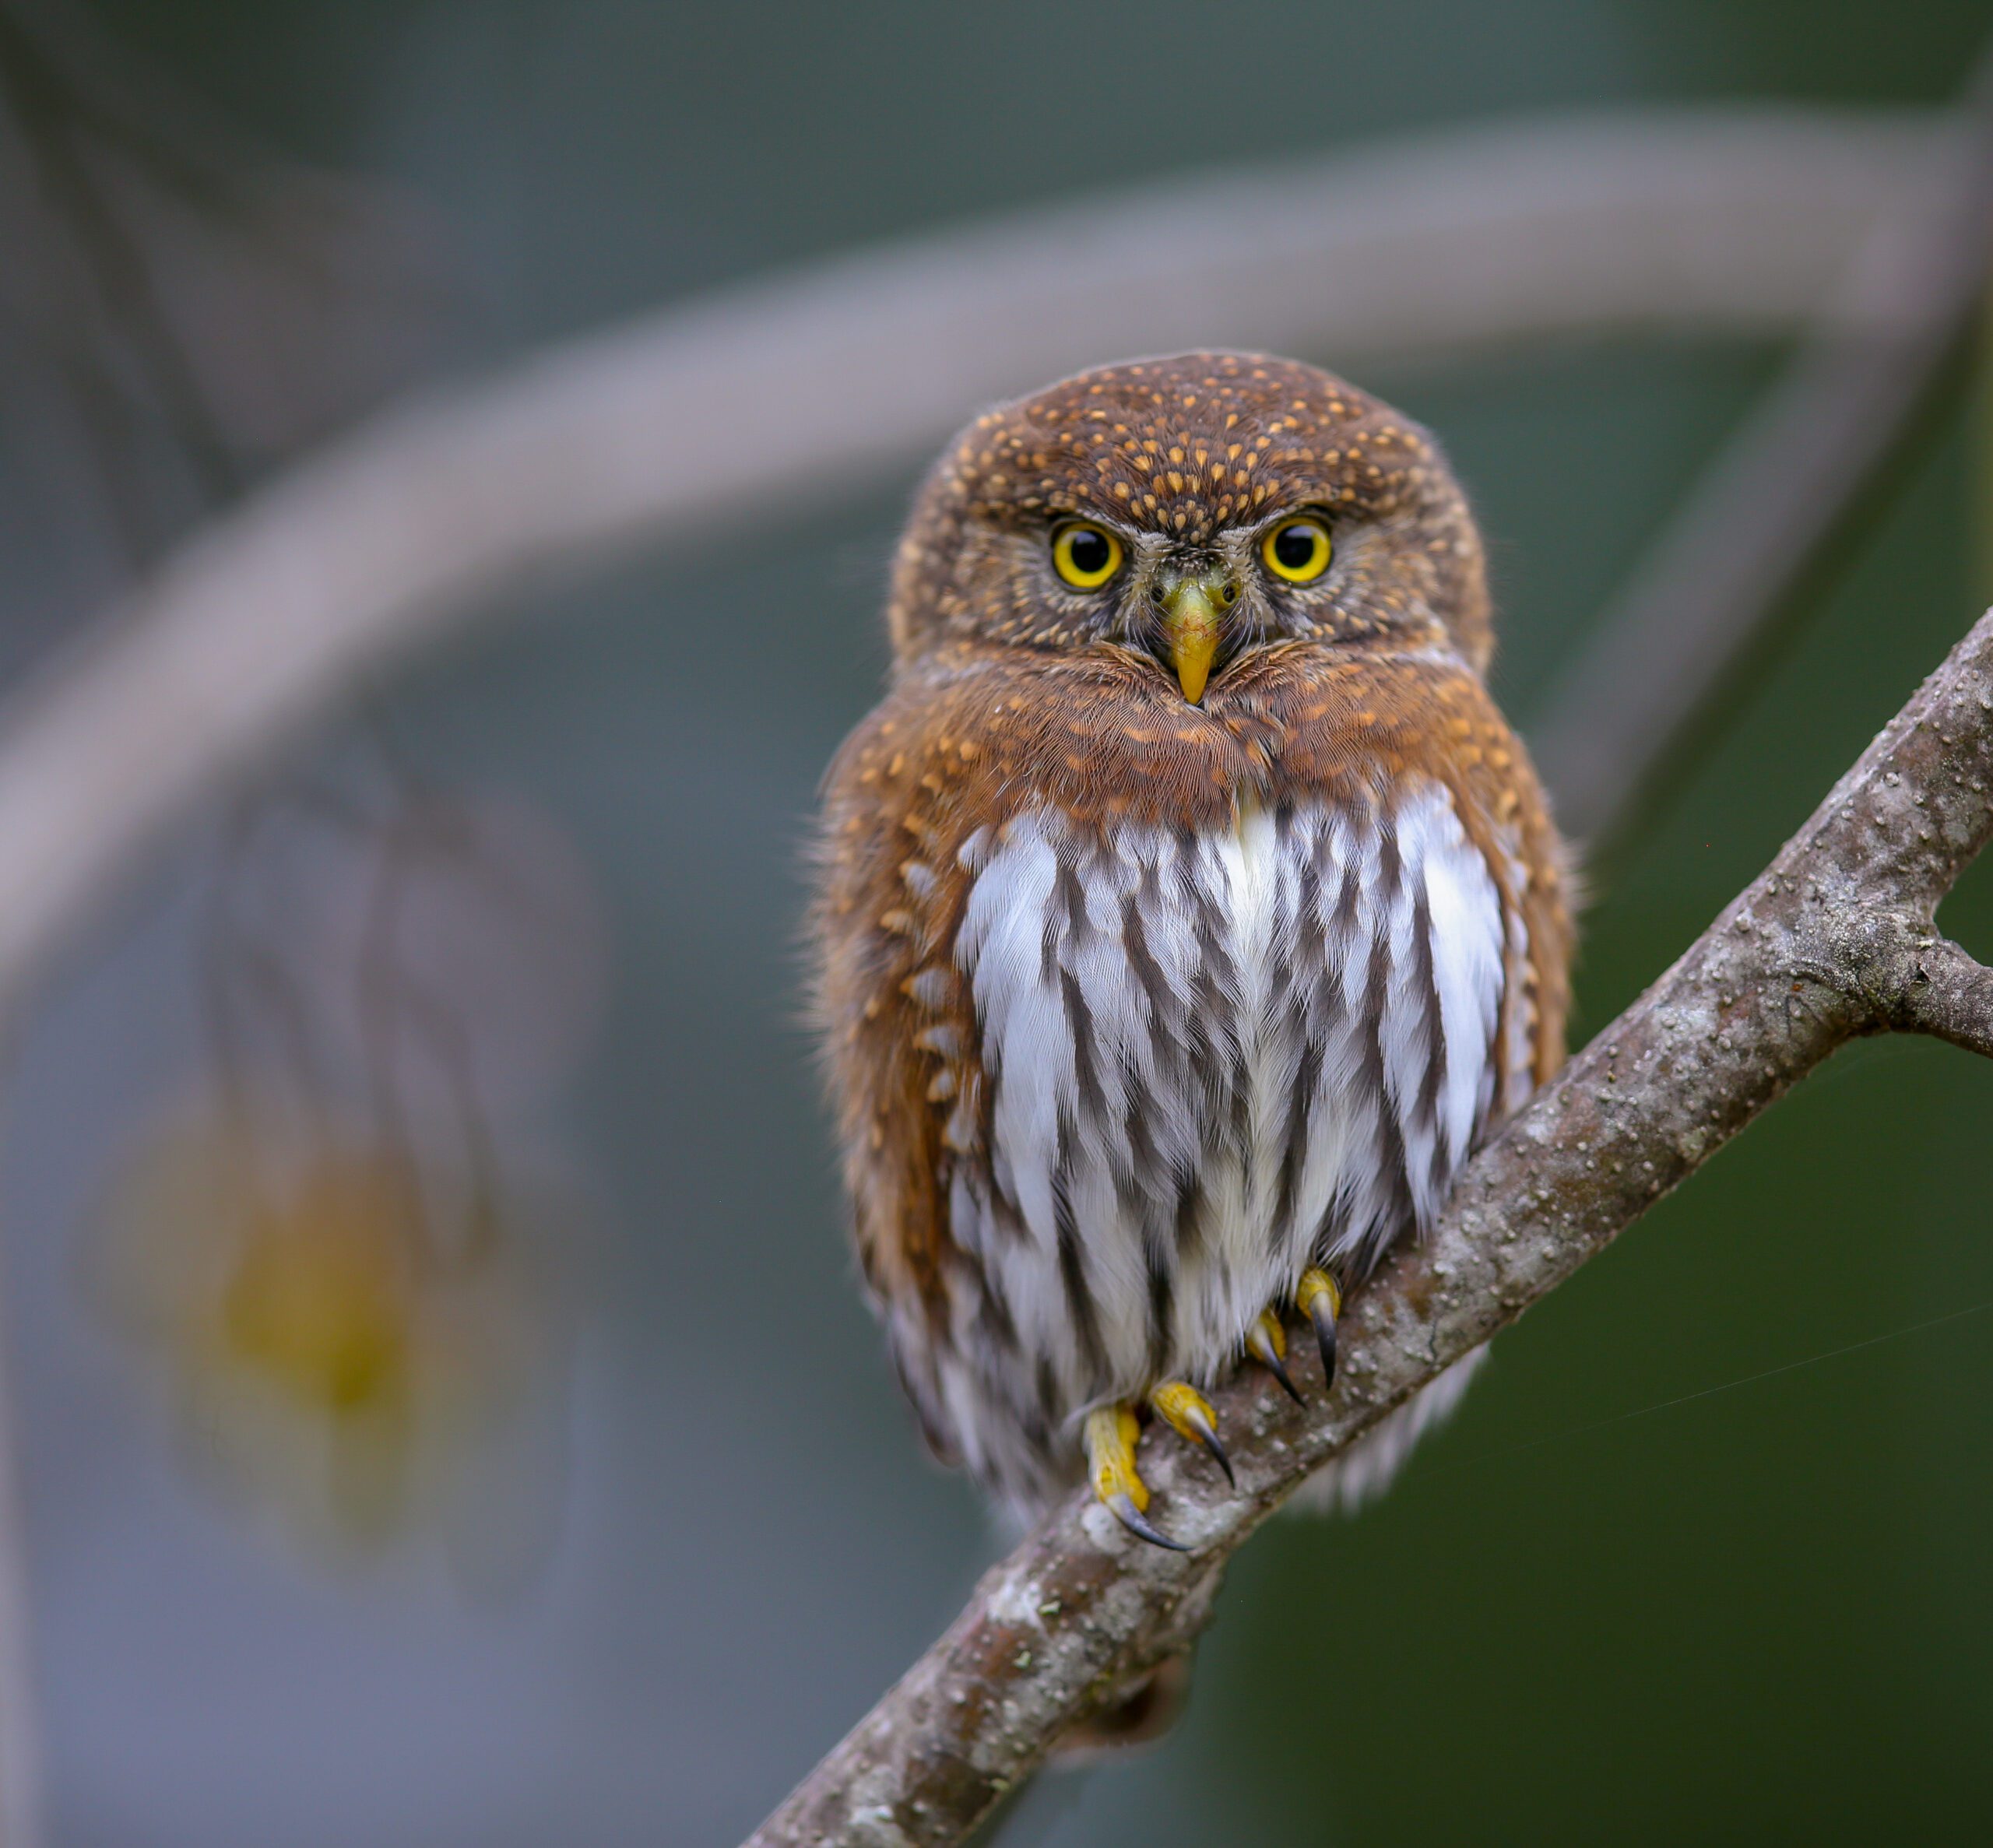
column 1085, row 556
column 1297, row 550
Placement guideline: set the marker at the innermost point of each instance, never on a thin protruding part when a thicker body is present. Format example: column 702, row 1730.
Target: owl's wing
column 1504, row 806
column 1505, row 814
column 897, row 1019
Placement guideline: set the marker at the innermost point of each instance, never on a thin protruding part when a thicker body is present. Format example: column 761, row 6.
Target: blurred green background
column 1587, row 1611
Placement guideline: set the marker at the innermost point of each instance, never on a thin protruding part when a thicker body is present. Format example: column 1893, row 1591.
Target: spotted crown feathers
column 1199, row 453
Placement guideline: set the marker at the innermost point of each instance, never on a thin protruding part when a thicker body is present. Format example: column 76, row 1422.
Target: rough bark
column 1836, row 938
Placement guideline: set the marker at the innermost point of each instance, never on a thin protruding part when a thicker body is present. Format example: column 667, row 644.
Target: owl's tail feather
column 1365, row 1471
column 1136, row 1715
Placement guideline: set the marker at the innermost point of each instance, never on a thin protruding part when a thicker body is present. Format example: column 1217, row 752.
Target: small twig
column 1754, row 535
column 1834, row 940
column 1935, row 987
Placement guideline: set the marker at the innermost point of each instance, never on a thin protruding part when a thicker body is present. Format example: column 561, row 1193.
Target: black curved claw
column 1277, row 1368
column 1209, row 1440
column 1132, row 1518
column 1323, row 1316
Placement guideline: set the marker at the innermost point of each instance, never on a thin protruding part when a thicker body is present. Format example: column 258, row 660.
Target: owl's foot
column 1317, row 1297
column 1110, row 1439
column 1266, row 1340
column 1189, row 1414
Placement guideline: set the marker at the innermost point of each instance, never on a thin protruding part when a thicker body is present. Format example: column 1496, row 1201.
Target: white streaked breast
column 1211, row 1060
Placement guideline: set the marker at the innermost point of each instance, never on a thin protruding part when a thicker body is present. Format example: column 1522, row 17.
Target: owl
column 1187, row 911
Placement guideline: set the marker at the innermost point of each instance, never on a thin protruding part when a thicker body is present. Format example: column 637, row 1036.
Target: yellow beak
column 1191, row 610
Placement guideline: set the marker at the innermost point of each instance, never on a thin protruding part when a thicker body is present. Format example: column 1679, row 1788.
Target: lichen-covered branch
column 1836, row 939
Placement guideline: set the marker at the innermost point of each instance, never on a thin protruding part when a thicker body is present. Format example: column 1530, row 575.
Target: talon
column 1189, row 1414
column 1266, row 1342
column 1125, row 1512
column 1318, row 1295
column 1110, row 1440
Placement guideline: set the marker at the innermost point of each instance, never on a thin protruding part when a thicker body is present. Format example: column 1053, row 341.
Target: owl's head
column 1194, row 509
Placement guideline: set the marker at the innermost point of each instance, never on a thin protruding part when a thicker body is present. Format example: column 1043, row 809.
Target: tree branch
column 1835, row 938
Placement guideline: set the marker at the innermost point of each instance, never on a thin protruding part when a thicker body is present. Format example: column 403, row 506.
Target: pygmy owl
column 1188, row 912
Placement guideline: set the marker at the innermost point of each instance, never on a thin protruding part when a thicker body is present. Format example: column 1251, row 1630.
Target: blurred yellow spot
column 321, row 1301
column 356, row 1343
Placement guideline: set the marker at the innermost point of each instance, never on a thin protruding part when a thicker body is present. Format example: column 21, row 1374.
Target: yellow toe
column 1189, row 1414
column 1110, row 1439
column 1266, row 1340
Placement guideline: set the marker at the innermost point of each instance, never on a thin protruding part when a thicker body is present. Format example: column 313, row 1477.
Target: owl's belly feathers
column 1208, row 1059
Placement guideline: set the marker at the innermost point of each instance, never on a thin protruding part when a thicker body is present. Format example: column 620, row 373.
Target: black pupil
column 1294, row 546
column 1089, row 551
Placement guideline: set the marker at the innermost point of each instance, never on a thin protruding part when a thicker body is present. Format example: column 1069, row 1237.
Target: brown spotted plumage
column 1181, row 931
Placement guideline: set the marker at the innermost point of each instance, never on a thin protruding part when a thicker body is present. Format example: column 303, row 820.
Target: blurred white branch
column 1713, row 589
column 807, row 387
